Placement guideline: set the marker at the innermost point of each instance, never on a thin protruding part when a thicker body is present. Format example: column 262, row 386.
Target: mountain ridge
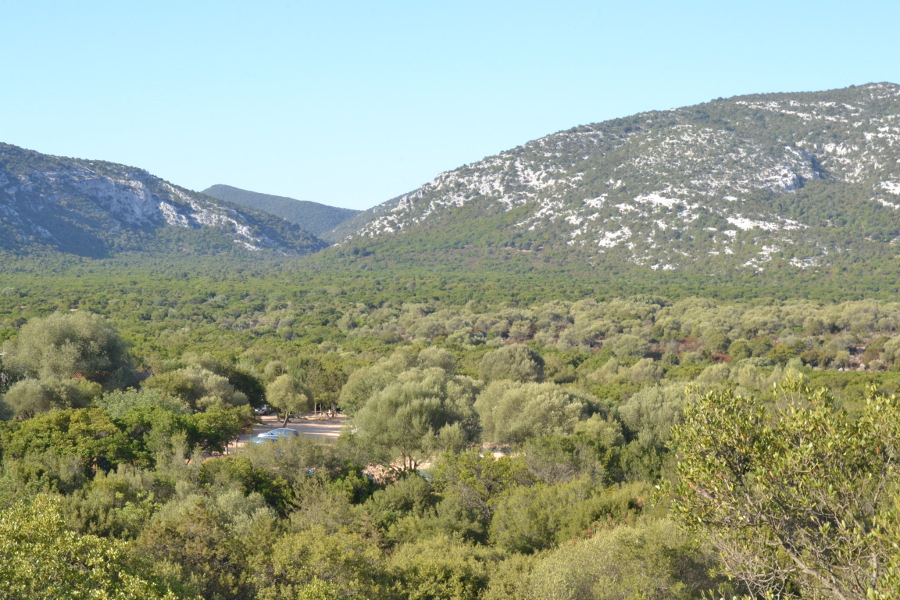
column 791, row 180
column 314, row 217
column 96, row 208
column 746, row 182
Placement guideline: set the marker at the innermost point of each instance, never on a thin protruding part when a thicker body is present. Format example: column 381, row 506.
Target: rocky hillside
column 318, row 219
column 95, row 209
column 799, row 180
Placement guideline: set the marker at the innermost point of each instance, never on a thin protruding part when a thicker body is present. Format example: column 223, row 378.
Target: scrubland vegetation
column 508, row 440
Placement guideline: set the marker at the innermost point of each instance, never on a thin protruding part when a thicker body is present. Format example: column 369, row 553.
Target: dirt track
column 316, row 426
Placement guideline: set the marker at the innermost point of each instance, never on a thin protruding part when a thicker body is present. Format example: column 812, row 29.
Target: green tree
column 29, row 397
column 190, row 537
column 433, row 356
column 469, row 484
column 364, row 383
column 7, row 378
column 40, row 558
column 558, row 458
column 651, row 412
column 87, row 434
column 423, row 412
column 326, row 378
column 151, row 419
column 515, row 362
column 361, row 385
column 289, row 396
column 440, row 568
column 220, row 425
column 339, row 564
column 199, row 387
column 246, row 383
column 117, row 504
column 6, row 411
column 232, row 472
column 798, row 497
column 512, row 412
column 529, row 519
column 647, row 560
column 292, row 461
column 509, row 578
column 626, row 344
column 408, row 496
column 67, row 345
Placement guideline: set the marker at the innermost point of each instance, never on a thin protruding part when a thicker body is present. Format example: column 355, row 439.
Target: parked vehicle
column 275, row 435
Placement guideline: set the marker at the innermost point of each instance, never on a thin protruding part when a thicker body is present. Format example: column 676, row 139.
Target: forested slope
column 317, row 219
column 801, row 181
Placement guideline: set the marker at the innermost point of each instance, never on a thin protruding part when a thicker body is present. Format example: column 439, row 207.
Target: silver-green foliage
column 422, row 412
column 512, row 412
column 66, row 345
column 651, row 412
column 289, row 396
column 197, row 386
column 515, row 362
column 29, row 397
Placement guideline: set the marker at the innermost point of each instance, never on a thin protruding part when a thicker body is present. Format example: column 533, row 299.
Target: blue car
column 275, row 435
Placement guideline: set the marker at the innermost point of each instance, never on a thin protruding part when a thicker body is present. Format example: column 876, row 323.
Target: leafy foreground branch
column 799, row 498
column 41, row 558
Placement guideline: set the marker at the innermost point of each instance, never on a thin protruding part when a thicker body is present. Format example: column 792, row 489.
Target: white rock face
column 41, row 196
column 172, row 217
column 127, row 199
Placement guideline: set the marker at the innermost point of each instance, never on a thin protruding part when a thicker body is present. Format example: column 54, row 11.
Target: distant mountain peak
column 317, row 219
column 94, row 208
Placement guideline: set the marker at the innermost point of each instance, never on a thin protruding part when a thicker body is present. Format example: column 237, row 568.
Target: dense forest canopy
column 510, row 435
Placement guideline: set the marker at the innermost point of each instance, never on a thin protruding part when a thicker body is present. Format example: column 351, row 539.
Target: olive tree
column 199, row 387
column 513, row 412
column 515, row 362
column 66, row 345
column 651, row 412
column 422, row 412
column 288, row 396
column 362, row 385
column 29, row 397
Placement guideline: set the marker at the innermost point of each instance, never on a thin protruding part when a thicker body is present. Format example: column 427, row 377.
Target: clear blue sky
column 353, row 103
